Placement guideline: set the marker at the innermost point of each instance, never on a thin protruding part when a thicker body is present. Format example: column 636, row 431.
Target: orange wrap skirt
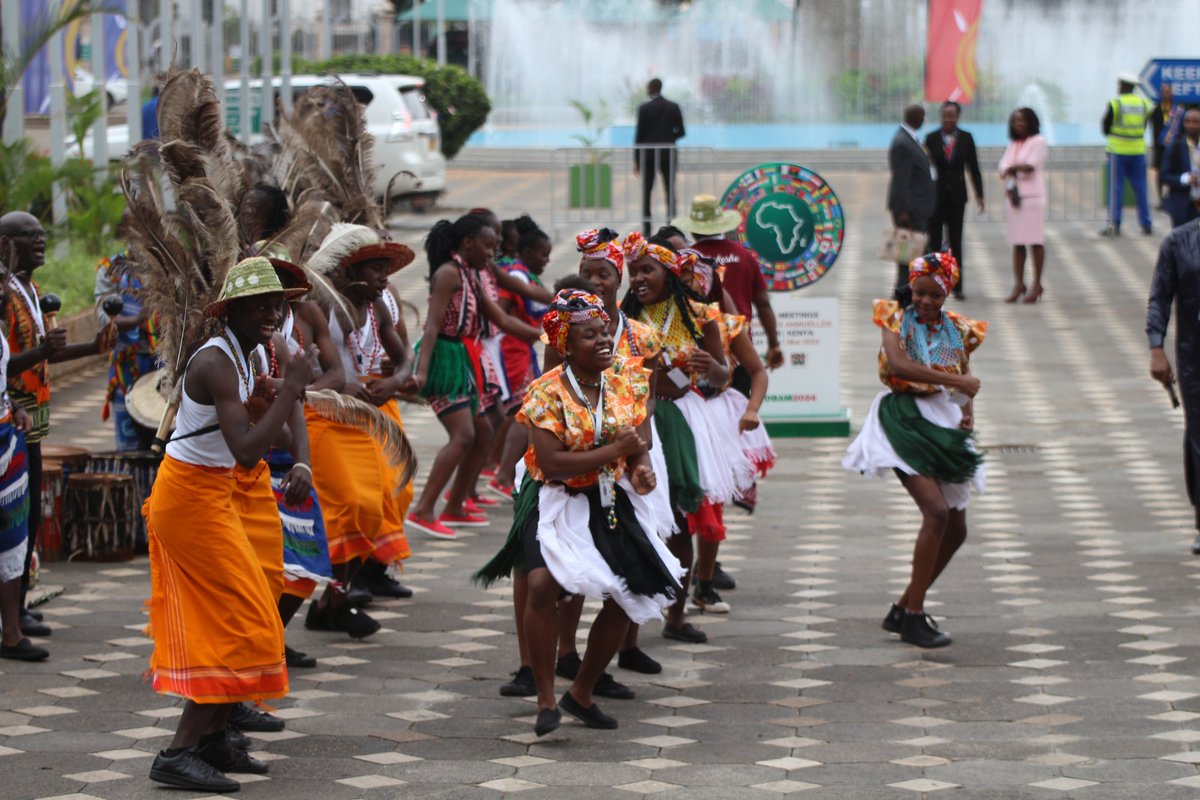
column 214, row 622
column 255, row 504
column 346, row 474
column 391, row 544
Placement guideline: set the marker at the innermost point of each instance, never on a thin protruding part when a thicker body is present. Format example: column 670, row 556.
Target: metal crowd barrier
column 596, row 187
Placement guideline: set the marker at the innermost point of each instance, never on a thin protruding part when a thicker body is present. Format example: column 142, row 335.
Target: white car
column 408, row 143
column 116, row 88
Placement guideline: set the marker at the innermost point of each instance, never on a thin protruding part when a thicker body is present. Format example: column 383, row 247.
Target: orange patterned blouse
column 889, row 315
column 549, row 404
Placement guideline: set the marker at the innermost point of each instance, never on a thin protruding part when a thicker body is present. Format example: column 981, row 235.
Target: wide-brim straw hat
column 347, row 245
column 145, row 402
column 248, row 278
column 707, row 217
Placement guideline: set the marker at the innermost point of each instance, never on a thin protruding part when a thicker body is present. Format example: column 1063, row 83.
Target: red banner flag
column 950, row 50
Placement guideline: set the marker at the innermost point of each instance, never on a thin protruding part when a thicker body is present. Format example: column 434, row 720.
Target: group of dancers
column 284, row 353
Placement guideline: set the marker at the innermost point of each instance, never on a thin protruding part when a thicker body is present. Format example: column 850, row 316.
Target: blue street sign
column 1183, row 74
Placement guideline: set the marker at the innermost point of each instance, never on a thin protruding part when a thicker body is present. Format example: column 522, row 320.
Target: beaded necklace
column 936, row 345
column 362, row 359
column 242, row 364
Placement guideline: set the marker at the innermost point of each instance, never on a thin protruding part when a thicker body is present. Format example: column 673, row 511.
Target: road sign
column 793, row 222
column 1183, row 74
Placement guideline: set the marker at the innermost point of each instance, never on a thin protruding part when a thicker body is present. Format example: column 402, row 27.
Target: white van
column 408, row 143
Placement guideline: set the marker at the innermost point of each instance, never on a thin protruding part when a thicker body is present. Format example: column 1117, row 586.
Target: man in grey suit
column 911, row 190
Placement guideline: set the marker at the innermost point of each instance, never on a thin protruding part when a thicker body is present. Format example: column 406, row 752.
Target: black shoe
column 520, row 686
column 1196, row 545
column 568, row 666
column 634, row 659
column 31, row 626
column 235, row 738
column 592, row 716
column 894, row 619
column 24, row 650
column 723, row 580
column 186, row 770
column 348, row 619
column 221, row 755
column 548, row 720
column 296, row 659
column 608, row 687
column 35, row 614
column 1111, row 232
column 1147, row 230
column 251, row 719
column 687, row 632
column 374, row 577
column 358, row 596
column 959, row 295
column 921, row 630
column 706, row 599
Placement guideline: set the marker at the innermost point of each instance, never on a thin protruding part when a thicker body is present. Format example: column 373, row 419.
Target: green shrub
column 73, row 276
column 461, row 103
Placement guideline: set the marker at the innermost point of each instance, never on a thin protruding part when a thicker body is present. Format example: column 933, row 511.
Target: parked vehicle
column 116, row 88
column 408, row 154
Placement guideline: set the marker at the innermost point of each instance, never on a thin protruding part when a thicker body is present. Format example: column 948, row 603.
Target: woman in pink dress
column 1025, row 200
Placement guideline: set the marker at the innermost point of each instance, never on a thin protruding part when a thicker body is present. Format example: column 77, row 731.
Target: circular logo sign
column 791, row 220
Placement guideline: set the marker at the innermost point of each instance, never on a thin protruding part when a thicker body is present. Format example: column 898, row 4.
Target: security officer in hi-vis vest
column 1125, row 126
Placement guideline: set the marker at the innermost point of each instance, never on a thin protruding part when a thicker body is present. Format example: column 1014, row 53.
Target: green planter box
column 591, row 186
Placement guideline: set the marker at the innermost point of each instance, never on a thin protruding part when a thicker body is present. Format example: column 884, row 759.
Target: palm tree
column 55, row 19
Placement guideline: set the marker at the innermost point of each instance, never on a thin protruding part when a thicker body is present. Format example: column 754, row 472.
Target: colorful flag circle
column 791, row 219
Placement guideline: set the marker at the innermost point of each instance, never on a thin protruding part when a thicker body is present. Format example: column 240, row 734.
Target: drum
column 141, row 465
column 72, row 459
column 49, row 538
column 100, row 516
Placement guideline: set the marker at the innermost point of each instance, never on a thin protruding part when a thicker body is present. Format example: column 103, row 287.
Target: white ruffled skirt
column 725, row 471
column 871, row 453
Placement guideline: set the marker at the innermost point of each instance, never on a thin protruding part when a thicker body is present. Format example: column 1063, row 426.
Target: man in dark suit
column 952, row 152
column 659, row 122
column 1180, row 171
column 910, row 191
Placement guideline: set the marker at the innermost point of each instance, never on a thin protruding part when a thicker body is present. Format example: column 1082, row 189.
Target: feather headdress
column 181, row 256
column 323, row 146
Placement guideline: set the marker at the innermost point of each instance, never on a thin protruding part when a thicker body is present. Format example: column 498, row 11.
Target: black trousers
column 950, row 216
column 34, row 457
column 662, row 160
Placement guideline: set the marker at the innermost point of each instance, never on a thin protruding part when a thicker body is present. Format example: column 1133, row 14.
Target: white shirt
column 207, row 449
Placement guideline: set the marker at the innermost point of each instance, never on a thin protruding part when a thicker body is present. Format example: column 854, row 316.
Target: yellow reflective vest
column 1127, row 135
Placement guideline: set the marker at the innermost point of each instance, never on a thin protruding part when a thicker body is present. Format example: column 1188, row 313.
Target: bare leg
column 520, row 599
column 569, row 612
column 468, row 472
column 608, row 629
column 541, row 632
column 631, row 637
column 706, row 558
column 1039, row 260
column 681, row 546
column 515, row 443
column 460, row 424
column 952, row 540
column 934, row 518
column 1018, row 266
column 200, row 719
column 10, row 611
column 289, row 604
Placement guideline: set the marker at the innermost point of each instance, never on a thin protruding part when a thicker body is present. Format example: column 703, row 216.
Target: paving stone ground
column 1074, row 668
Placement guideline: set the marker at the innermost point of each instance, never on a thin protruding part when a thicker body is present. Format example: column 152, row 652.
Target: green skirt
column 679, row 451
column 931, row 450
column 451, row 374
column 512, row 553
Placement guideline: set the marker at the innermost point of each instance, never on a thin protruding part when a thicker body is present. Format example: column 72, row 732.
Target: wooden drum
column 72, row 459
column 49, row 538
column 142, row 466
column 100, row 517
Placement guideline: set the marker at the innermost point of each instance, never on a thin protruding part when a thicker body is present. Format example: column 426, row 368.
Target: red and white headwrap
column 592, row 246
column 681, row 265
column 570, row 307
column 940, row 266
column 702, row 272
